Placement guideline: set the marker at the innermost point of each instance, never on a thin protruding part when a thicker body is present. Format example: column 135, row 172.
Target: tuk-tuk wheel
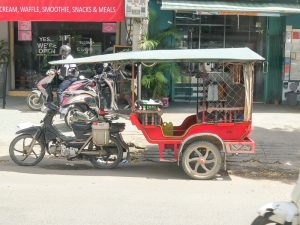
column 201, row 160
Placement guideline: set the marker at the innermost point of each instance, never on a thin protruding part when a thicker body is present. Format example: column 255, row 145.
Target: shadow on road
column 148, row 170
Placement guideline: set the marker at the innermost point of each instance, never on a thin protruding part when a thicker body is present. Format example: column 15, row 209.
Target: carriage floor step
column 151, row 153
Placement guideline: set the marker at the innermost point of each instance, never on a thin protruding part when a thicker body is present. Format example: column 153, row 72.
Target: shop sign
column 24, row 25
column 47, row 46
column 136, row 8
column 24, row 35
column 58, row 10
column 108, row 27
column 83, row 46
column 24, row 31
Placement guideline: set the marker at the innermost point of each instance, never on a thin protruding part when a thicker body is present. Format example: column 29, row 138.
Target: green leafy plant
column 154, row 79
column 4, row 53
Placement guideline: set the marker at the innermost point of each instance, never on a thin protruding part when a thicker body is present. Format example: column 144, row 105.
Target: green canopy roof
column 178, row 55
column 260, row 8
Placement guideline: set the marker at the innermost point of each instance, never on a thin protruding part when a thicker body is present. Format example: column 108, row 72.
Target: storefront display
column 217, row 31
column 32, row 56
column 291, row 72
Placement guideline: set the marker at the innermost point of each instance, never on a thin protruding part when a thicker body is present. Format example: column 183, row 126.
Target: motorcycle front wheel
column 260, row 220
column 34, row 101
column 20, row 153
column 110, row 155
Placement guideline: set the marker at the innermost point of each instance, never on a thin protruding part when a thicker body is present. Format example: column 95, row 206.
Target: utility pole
column 136, row 40
column 137, row 10
column 136, row 33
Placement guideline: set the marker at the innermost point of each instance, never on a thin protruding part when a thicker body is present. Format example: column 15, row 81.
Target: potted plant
column 155, row 81
column 4, row 53
column 4, row 57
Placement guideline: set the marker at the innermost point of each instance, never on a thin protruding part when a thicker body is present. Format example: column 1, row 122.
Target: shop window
column 32, row 57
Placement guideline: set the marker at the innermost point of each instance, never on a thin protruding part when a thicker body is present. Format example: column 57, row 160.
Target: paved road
column 142, row 193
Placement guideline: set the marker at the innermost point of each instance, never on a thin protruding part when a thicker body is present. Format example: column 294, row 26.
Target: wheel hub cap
column 201, row 161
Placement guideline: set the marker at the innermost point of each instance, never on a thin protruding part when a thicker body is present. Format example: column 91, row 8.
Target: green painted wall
column 274, row 56
column 293, row 20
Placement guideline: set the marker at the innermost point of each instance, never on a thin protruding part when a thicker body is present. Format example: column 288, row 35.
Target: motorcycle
column 285, row 213
column 79, row 105
column 99, row 141
column 36, row 99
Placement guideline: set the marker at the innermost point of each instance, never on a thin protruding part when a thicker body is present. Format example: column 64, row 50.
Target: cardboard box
column 295, row 70
column 296, row 47
column 288, row 37
column 288, row 47
column 293, row 55
column 289, row 28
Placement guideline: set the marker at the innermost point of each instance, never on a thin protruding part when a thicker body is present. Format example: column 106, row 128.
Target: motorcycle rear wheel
column 260, row 220
column 18, row 150
column 70, row 116
column 109, row 156
column 34, row 101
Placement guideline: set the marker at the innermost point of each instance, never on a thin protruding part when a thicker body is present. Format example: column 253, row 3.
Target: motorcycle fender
column 79, row 99
column 285, row 213
column 34, row 131
column 37, row 92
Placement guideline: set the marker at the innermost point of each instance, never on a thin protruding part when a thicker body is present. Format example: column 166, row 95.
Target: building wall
column 4, row 31
column 4, row 36
column 293, row 20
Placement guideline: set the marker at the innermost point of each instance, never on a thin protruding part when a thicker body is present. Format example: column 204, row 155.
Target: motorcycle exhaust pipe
column 89, row 153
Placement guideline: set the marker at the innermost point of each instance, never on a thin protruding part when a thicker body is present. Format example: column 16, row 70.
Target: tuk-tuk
column 222, row 120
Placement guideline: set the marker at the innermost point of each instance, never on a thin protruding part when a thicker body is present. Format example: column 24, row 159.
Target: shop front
column 33, row 53
column 291, row 69
column 257, row 25
column 37, row 29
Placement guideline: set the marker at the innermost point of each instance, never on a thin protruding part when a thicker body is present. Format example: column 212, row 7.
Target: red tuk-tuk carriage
column 222, row 119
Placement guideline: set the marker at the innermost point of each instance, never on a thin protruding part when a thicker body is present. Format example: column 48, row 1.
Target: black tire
column 34, row 101
column 21, row 159
column 260, row 220
column 112, row 149
column 201, row 160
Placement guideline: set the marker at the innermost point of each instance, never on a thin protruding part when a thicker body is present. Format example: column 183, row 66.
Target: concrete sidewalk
column 276, row 132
